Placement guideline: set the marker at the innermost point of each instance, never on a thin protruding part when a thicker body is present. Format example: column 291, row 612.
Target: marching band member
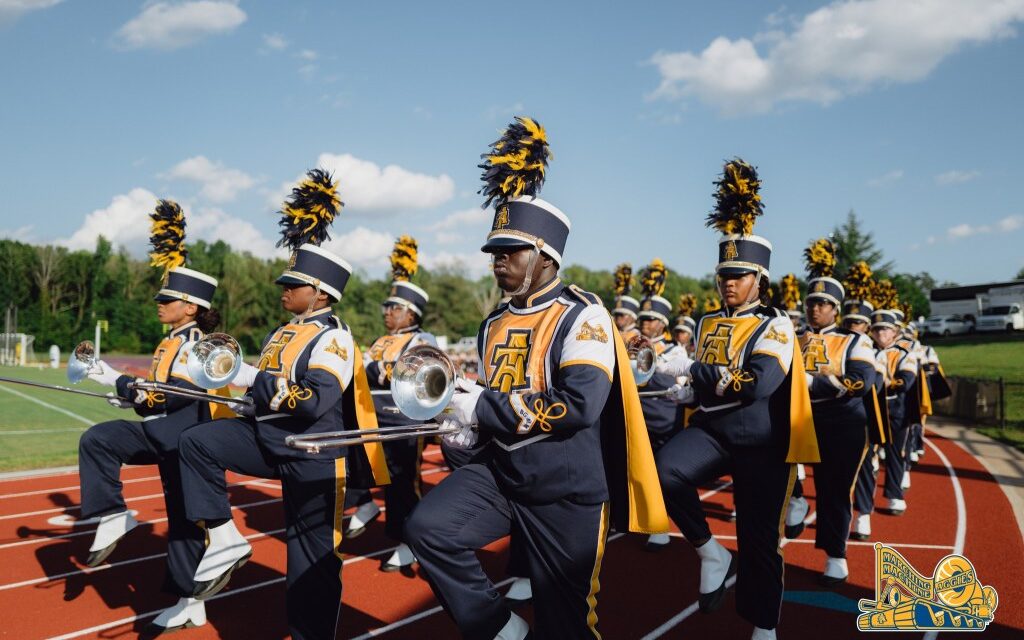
column 840, row 373
column 751, row 400
column 857, row 310
column 626, row 307
column 403, row 311
column 918, row 404
column 309, row 379
column 662, row 414
column 557, row 406
column 682, row 332
column 183, row 303
column 901, row 374
column 797, row 508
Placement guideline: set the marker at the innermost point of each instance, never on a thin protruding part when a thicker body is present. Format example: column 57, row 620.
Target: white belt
column 154, row 417
column 720, row 406
column 271, row 416
column 521, row 443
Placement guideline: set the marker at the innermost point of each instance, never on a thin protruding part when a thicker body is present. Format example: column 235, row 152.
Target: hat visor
column 495, row 245
column 734, row 270
column 285, row 279
column 163, row 297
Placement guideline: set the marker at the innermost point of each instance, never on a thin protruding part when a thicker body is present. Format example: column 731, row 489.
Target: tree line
column 61, row 294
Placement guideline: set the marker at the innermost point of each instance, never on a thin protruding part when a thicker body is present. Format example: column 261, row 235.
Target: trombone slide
column 146, row 385
column 56, row 387
column 317, row 442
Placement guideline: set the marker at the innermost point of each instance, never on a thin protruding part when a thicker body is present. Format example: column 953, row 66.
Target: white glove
column 464, row 438
column 463, row 403
column 810, row 380
column 676, row 365
column 117, row 402
column 246, row 376
column 680, row 393
column 106, row 374
column 140, row 394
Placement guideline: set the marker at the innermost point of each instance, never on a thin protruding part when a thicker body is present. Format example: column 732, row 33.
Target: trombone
column 212, row 363
column 422, row 385
column 81, row 363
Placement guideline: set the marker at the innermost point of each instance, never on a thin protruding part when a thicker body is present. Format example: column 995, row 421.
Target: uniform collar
column 829, row 329
column 321, row 316
column 183, row 330
column 542, row 296
column 658, row 339
column 413, row 329
column 744, row 310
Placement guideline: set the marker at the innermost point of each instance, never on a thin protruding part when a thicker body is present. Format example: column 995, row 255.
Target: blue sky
column 908, row 113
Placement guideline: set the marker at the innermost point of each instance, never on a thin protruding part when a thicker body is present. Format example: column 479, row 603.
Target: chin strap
column 316, row 294
column 528, row 280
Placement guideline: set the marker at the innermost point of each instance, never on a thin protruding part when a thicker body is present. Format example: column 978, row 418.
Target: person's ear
column 191, row 309
column 323, row 297
column 546, row 261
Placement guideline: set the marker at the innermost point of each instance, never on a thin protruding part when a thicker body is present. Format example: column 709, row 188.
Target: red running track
column 46, row 593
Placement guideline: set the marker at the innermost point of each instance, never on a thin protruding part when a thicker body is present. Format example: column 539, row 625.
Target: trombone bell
column 423, row 382
column 82, row 361
column 214, row 361
column 643, row 365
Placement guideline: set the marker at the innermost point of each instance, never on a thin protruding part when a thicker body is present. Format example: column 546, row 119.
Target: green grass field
column 33, row 435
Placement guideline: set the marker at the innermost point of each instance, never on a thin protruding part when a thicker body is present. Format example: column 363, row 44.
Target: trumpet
column 422, row 385
column 81, row 363
column 212, row 363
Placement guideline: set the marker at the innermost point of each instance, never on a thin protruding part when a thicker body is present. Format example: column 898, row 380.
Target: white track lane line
column 127, row 500
column 851, row 543
column 222, row 594
column 48, row 405
column 961, row 511
column 142, row 523
column 429, row 612
column 73, row 487
column 675, row 620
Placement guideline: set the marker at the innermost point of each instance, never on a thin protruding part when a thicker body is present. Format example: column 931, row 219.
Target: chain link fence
column 984, row 401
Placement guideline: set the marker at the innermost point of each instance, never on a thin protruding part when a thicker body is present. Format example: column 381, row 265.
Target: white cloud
column 275, row 41
column 366, row 187
column 965, row 230
column 308, row 54
column 212, row 224
column 21, row 234
column 956, row 177
column 888, row 178
column 363, row 248
column 124, row 222
column 475, row 263
column 844, row 48
column 220, row 183
column 453, row 227
column 165, row 25
column 11, row 10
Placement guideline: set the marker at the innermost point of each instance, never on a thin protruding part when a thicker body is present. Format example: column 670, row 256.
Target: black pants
column 404, row 458
column 762, row 484
column 563, row 544
column 102, row 450
column 917, row 439
column 842, row 443
column 896, row 462
column 313, row 495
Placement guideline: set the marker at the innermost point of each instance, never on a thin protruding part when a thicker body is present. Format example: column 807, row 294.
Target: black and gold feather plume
column 738, row 199
column 404, row 259
column 309, row 210
column 623, row 279
column 687, row 304
column 516, row 164
column 652, row 278
column 712, row 304
column 885, row 296
column 908, row 311
column 167, row 236
column 790, row 292
column 858, row 282
column 820, row 258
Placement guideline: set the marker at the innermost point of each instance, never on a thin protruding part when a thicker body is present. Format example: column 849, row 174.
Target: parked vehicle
column 1002, row 318
column 950, row 325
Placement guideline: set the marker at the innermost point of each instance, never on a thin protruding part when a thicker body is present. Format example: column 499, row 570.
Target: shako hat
column 404, row 265
column 513, row 174
column 306, row 217
column 652, row 283
column 820, row 260
column 737, row 205
column 167, row 237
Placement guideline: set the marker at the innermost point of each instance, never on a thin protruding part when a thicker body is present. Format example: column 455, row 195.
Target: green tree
column 853, row 244
column 1020, row 274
